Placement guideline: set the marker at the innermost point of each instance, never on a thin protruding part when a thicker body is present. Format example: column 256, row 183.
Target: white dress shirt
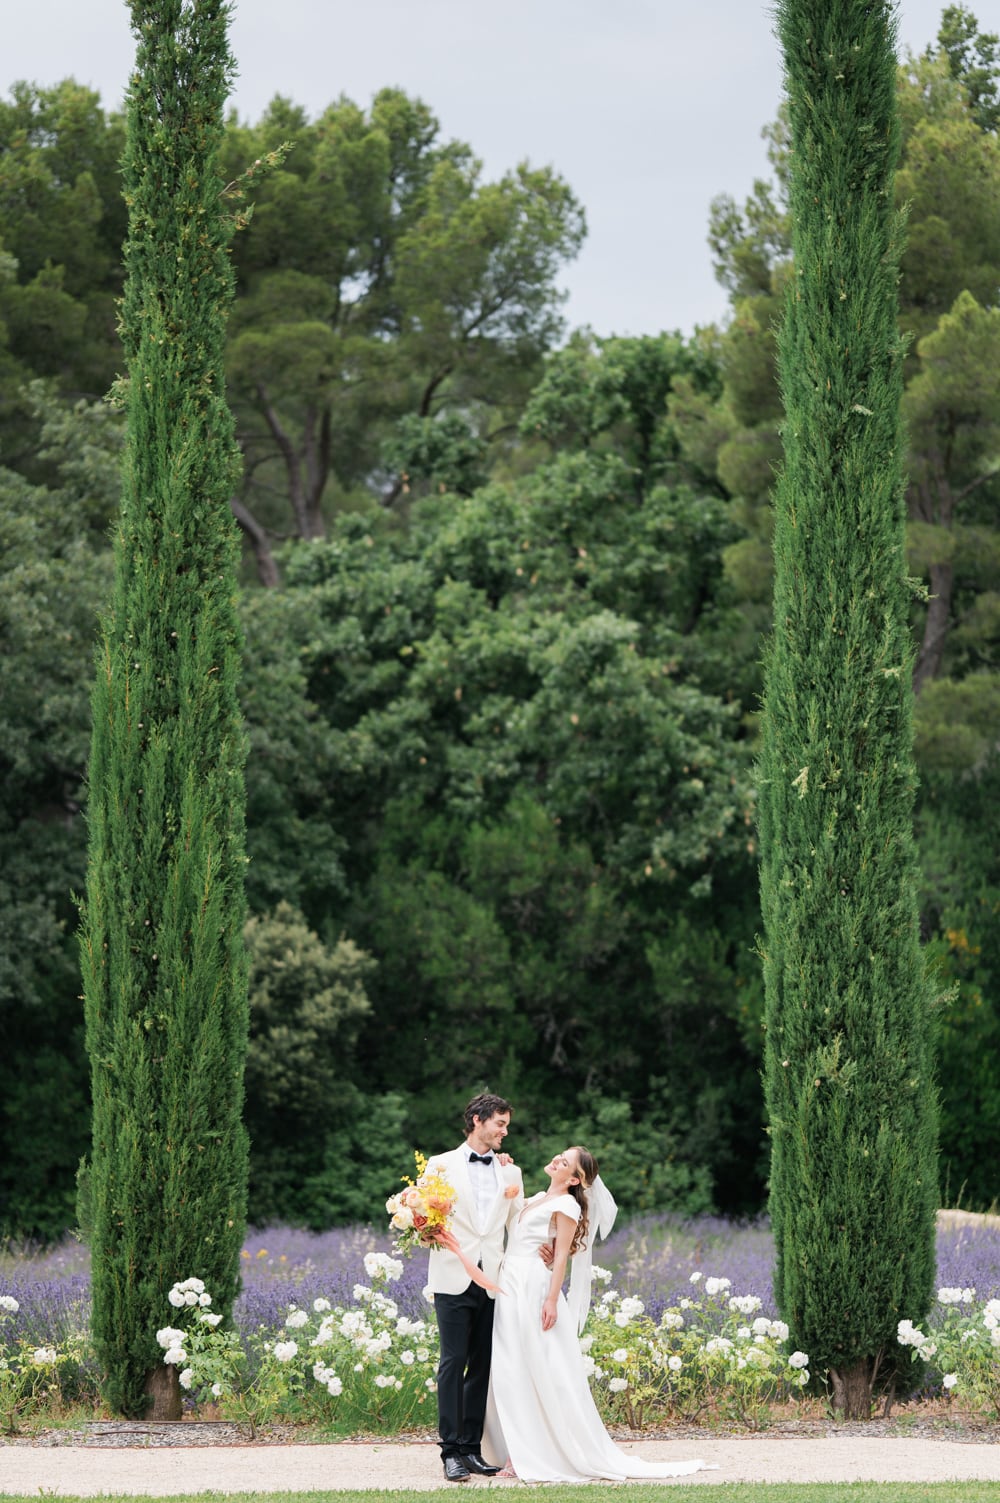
column 484, row 1186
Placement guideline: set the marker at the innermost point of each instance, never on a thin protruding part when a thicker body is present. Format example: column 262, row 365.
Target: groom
column 488, row 1198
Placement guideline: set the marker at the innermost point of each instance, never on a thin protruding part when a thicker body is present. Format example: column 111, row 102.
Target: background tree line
column 503, row 610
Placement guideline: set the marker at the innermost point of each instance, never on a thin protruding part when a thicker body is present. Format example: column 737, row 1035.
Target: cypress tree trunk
column 162, row 948
column 847, row 1067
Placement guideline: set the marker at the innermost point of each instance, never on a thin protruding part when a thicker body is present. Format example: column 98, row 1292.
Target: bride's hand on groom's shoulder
column 504, row 1160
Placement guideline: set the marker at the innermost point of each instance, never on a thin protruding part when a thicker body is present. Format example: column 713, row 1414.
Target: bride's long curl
column 588, row 1171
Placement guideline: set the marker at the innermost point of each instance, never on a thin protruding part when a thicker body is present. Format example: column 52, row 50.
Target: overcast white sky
column 648, row 108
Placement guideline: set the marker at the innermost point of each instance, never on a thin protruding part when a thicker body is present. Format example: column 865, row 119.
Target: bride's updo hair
column 588, row 1171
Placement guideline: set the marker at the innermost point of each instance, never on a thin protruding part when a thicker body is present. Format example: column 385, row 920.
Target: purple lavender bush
column 651, row 1258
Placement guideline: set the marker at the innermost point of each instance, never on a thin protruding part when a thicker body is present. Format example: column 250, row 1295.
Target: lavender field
column 652, row 1257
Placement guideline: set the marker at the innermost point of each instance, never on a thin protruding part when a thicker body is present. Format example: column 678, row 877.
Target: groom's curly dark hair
column 484, row 1106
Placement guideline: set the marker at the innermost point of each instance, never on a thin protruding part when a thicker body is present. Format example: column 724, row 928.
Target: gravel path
column 157, row 1470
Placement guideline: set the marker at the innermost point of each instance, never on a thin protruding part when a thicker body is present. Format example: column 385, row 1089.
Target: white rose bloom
column 744, row 1304
column 779, row 1330
column 407, row 1359
column 675, row 1364
column 586, row 1342
column 209, row 1319
column 186, row 1378
column 619, row 1355
column 762, row 1326
column 621, row 1319
column 334, row 1386
column 380, row 1263
column 423, row 1354
column 798, row 1359
column 169, row 1336
column 190, row 1297
column 950, row 1379
column 402, row 1219
column 8, row 1302
column 718, row 1344
column 430, row 1385
column 319, row 1305
column 632, row 1306
column 600, row 1275
column 177, row 1299
column 175, row 1355
column 217, row 1390
column 716, row 1286
column 296, row 1318
column 204, row 1299
column 284, row 1351
column 670, row 1321
column 43, row 1356
column 618, row 1385
column 589, row 1366
column 695, row 1278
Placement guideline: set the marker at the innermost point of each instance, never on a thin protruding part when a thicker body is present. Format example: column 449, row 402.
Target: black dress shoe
column 482, row 1468
column 455, row 1469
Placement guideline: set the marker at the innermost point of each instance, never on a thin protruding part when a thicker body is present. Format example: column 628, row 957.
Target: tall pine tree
column 847, row 1066
column 163, row 960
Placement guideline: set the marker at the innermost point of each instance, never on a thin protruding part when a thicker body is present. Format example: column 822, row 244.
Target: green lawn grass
column 660, row 1492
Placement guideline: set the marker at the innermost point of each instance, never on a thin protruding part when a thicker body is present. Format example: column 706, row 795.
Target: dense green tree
column 544, row 806
column 62, row 223
column 847, row 1049
column 51, row 581
column 381, row 279
column 307, row 1003
column 164, row 968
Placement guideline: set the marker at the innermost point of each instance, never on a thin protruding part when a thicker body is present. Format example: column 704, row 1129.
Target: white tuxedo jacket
column 481, row 1242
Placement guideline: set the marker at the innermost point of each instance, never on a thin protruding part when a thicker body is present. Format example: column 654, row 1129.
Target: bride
column 541, row 1419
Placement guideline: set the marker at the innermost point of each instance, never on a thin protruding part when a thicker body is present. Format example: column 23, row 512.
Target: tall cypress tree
column 163, row 961
column 847, row 1066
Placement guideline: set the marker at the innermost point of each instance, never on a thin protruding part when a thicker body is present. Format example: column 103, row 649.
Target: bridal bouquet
column 420, row 1214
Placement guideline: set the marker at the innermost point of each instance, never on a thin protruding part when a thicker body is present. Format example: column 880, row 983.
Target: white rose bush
column 364, row 1367
column 711, row 1355
column 29, row 1372
column 961, row 1350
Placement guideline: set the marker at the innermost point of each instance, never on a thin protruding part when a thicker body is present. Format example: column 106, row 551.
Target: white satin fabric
column 540, row 1415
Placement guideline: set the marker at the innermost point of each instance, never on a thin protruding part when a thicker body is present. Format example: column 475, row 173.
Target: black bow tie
column 480, row 1158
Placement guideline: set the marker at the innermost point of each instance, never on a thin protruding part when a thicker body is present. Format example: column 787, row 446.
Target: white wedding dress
column 540, row 1413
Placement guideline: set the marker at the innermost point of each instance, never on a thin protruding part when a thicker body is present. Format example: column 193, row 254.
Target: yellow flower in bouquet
column 422, row 1211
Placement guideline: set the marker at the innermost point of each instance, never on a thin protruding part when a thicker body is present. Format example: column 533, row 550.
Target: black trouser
column 465, row 1326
